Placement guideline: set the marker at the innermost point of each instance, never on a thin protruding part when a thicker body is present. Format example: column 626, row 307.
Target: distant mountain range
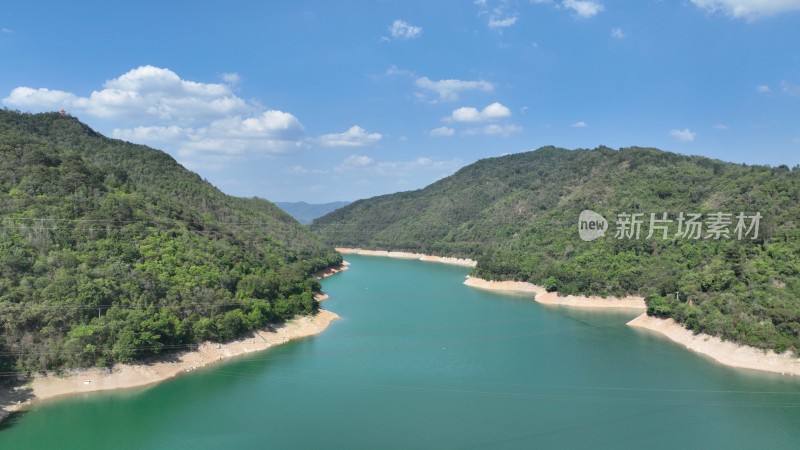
column 518, row 216
column 305, row 213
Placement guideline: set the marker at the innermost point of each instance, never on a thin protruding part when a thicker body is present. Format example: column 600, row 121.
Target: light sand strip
column 407, row 255
column 724, row 352
column 552, row 298
column 124, row 376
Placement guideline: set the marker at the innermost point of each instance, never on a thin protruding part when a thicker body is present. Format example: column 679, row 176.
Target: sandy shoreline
column 552, row 298
column 129, row 376
column 333, row 270
column 724, row 352
column 407, row 255
column 124, row 376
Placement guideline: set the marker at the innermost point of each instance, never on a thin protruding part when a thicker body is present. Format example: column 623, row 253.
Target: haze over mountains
column 517, row 215
column 305, row 213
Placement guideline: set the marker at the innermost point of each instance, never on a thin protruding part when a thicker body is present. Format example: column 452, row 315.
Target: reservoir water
column 419, row 360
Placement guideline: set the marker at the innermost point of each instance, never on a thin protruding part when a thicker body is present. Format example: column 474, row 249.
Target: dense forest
column 112, row 252
column 517, row 215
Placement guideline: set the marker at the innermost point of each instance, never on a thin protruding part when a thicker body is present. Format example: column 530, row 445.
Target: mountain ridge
column 112, row 252
column 517, row 215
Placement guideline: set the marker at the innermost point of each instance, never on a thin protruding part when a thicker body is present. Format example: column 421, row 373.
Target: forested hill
column 518, row 216
column 110, row 251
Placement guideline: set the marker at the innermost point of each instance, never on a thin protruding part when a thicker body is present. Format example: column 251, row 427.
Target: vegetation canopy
column 112, row 252
column 517, row 215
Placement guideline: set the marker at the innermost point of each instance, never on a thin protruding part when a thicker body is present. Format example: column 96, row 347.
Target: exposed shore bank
column 124, row 376
column 724, row 352
column 333, row 270
column 407, row 255
column 552, row 298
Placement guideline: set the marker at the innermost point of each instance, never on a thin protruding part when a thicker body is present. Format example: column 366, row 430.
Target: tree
column 551, row 284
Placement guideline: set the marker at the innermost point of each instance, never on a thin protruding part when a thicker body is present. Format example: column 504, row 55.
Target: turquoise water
column 420, row 361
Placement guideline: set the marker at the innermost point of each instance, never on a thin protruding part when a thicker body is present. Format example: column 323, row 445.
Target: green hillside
column 518, row 216
column 111, row 252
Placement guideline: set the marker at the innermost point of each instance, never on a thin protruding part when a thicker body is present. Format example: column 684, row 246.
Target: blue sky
column 340, row 100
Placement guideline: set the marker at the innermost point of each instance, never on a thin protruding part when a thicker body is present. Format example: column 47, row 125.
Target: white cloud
column 448, row 90
column 748, row 9
column 269, row 124
column 466, row 114
column 271, row 132
column 394, row 166
column 400, row 29
column 786, row 88
column 143, row 94
column 40, row 99
column 579, row 124
column 493, row 130
column 419, row 162
column 721, row 126
column 502, row 22
column 685, row 135
column 231, row 78
column 415, row 166
column 205, row 124
column 354, row 162
column 209, row 161
column 790, row 89
column 442, row 132
column 7, row 30
column 470, row 114
column 500, row 16
column 393, row 71
column 152, row 134
column 359, row 160
column 367, row 166
column 354, row 137
column 617, row 33
column 300, row 170
column 583, row 8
